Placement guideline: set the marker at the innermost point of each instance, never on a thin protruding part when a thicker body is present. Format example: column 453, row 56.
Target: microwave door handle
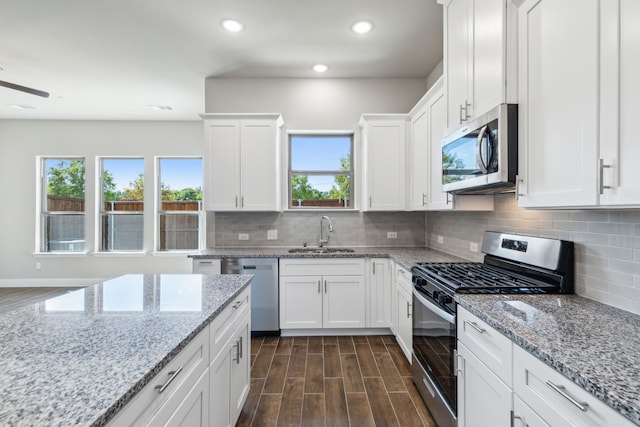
column 480, row 160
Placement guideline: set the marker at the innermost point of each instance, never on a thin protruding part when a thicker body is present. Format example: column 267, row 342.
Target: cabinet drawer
column 185, row 369
column 558, row 400
column 222, row 326
column 322, row 267
column 489, row 345
column 206, row 266
column 403, row 278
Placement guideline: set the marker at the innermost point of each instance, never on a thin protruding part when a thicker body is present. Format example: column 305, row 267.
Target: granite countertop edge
column 406, row 256
column 128, row 396
column 620, row 405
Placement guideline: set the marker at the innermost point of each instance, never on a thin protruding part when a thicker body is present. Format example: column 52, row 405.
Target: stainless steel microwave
column 482, row 156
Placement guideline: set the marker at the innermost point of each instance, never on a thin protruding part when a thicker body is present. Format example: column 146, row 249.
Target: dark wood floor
column 331, row 381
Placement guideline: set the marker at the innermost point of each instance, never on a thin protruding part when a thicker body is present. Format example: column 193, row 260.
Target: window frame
column 100, row 211
column 200, row 213
column 43, row 206
column 290, row 172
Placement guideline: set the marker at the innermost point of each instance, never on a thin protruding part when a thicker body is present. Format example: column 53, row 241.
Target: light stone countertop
column 594, row 345
column 78, row 358
column 405, row 256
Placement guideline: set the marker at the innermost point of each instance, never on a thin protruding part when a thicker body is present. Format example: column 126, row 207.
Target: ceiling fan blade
column 25, row 89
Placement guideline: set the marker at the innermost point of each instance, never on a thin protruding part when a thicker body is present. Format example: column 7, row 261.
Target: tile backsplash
column 607, row 243
column 295, row 228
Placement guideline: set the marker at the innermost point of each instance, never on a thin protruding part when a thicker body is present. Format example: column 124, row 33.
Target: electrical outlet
column 440, row 239
column 243, row 236
column 38, row 266
column 392, row 235
column 473, row 246
column 272, row 234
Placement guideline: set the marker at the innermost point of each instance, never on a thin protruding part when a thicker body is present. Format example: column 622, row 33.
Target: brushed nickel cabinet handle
column 602, row 167
column 560, row 389
column 475, row 326
column 172, row 376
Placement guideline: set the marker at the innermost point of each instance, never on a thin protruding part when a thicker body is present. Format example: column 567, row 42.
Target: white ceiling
column 111, row 59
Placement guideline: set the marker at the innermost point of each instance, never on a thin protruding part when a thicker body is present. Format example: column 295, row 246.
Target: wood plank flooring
column 331, row 381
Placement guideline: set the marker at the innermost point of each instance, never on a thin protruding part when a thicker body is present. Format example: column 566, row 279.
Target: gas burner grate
column 480, row 278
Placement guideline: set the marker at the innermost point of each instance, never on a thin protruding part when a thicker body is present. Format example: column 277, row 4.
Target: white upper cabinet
column 619, row 92
column 384, row 143
column 424, row 157
column 576, row 133
column 479, row 57
column 242, row 162
column 558, row 112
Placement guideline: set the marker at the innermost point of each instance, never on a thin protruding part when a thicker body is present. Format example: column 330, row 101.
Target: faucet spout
column 321, row 240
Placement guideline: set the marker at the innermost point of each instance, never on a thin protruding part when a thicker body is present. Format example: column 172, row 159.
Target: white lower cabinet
column 205, row 266
column 404, row 309
column 484, row 373
column 501, row 384
column 230, row 377
column 379, row 293
column 483, row 399
column 206, row 384
column 322, row 293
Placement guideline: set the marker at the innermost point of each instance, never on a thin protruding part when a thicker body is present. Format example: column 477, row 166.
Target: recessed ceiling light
column 22, row 106
column 320, row 68
column 233, row 25
column 362, row 27
column 161, row 107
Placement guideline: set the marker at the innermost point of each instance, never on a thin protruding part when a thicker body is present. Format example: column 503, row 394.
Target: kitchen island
column 80, row 357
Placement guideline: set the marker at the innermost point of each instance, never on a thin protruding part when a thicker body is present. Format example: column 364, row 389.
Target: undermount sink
column 320, row 250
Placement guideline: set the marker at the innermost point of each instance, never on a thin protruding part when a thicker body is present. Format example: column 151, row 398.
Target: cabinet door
column 193, row 411
column 456, row 40
column 222, row 165
column 385, row 170
column 379, row 289
column 301, row 302
column 344, row 302
column 240, row 369
column 487, row 46
column 404, row 325
column 558, row 111
column 436, row 108
column 523, row 416
column 220, row 378
column 259, row 165
column 620, row 91
column 418, row 161
column 483, row 400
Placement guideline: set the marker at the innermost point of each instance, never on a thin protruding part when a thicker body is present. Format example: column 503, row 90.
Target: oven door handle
column 437, row 310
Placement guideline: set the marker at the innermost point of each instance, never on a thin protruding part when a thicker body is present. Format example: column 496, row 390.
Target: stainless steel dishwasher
column 265, row 318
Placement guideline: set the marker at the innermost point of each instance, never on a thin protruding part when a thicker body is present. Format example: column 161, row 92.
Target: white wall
column 313, row 103
column 22, row 140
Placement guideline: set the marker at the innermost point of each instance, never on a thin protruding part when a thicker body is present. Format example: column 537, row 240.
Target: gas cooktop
column 513, row 264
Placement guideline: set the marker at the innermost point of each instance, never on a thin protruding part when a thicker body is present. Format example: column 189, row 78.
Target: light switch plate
column 473, row 246
column 272, row 234
column 243, row 236
column 440, row 239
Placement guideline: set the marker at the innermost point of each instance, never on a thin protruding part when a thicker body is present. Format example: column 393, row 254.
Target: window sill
column 59, row 254
column 119, row 254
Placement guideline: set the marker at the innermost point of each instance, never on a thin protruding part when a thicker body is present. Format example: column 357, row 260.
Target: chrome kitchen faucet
column 322, row 241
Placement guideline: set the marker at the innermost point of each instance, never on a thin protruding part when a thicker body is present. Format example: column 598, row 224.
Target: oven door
column 434, row 344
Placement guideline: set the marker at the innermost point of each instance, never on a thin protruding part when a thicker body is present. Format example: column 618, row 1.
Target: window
column 62, row 218
column 320, row 171
column 121, row 204
column 180, row 213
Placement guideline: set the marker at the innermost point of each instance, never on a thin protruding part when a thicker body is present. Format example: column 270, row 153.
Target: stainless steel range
column 512, row 264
